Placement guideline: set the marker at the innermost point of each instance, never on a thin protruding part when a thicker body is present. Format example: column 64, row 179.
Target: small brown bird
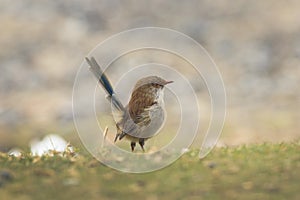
column 144, row 115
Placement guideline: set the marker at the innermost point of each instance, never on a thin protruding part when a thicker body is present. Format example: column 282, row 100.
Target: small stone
column 6, row 175
column 184, row 150
column 15, row 152
column 212, row 165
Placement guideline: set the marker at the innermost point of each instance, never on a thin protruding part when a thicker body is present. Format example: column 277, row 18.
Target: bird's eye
column 156, row 85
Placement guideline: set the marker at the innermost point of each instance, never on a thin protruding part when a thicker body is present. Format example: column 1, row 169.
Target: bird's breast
column 157, row 118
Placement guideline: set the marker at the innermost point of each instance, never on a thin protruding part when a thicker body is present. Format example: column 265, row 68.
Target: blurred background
column 256, row 45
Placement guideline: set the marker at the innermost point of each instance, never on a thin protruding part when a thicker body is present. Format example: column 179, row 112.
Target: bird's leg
column 117, row 136
column 142, row 143
column 132, row 144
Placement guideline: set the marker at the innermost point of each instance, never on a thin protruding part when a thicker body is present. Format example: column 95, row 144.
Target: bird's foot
column 132, row 144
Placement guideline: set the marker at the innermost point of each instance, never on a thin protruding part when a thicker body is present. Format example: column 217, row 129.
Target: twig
column 104, row 136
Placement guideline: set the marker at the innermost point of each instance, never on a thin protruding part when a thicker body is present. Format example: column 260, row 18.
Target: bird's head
column 150, row 88
column 151, row 82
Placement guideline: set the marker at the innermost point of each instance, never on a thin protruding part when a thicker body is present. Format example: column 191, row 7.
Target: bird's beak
column 167, row 82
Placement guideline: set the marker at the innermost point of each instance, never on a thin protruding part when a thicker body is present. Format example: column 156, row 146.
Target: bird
column 144, row 115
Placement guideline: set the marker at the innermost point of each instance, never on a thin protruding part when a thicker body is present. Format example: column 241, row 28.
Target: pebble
column 5, row 176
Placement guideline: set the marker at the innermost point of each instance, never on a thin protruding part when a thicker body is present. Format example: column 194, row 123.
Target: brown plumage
column 144, row 114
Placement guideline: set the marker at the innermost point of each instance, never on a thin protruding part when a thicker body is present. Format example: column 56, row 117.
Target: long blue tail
column 105, row 83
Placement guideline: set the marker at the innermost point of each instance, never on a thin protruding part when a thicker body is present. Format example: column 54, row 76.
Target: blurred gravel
column 256, row 45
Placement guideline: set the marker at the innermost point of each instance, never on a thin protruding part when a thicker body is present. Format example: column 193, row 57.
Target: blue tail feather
column 104, row 81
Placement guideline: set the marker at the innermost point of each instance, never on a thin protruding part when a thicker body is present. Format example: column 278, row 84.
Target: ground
column 264, row 171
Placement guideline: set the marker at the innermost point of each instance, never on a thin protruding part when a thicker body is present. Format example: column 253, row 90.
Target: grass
column 265, row 171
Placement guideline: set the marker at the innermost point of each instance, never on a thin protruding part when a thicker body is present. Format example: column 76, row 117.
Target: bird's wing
column 136, row 115
column 139, row 105
column 105, row 83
